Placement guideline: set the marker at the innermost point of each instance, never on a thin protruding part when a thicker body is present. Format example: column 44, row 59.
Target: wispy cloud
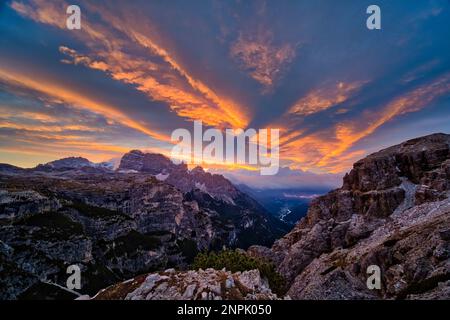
column 325, row 97
column 54, row 91
column 138, row 70
column 258, row 55
column 166, row 81
column 329, row 149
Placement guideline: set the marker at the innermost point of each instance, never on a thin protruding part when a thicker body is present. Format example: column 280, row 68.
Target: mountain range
column 135, row 230
column 392, row 212
column 146, row 215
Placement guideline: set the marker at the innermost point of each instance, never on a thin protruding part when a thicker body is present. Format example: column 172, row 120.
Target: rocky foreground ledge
column 206, row 284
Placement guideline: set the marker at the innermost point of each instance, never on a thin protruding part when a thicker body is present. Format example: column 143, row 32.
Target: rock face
column 179, row 176
column 68, row 163
column 152, row 163
column 213, row 192
column 114, row 225
column 206, row 284
column 392, row 211
column 60, row 167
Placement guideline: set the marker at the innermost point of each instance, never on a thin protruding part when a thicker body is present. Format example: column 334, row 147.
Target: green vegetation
column 234, row 261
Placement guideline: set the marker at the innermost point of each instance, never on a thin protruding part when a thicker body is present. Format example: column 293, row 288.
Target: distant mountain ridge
column 179, row 175
column 211, row 190
column 152, row 163
column 60, row 165
column 116, row 224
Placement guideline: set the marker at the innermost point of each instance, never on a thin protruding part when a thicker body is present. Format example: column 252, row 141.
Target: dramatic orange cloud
column 230, row 112
column 170, row 83
column 151, row 57
column 328, row 149
column 10, row 113
column 324, row 98
column 77, row 100
column 260, row 57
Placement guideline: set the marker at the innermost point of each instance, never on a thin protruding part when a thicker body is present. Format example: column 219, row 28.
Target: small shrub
column 235, row 261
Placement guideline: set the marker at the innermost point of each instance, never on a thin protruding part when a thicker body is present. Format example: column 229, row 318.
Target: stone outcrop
column 206, row 284
column 213, row 192
column 178, row 175
column 152, row 163
column 393, row 211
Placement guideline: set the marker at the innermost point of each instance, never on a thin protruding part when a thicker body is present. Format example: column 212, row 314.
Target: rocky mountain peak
column 70, row 162
column 73, row 164
column 412, row 159
column 153, row 163
column 392, row 211
column 179, row 175
column 197, row 170
column 136, row 152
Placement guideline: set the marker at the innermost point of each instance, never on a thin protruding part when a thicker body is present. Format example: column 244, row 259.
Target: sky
column 137, row 70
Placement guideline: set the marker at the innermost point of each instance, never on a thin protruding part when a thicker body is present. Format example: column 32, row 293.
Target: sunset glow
column 128, row 78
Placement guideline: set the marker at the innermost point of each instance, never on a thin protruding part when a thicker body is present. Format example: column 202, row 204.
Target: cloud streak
column 330, row 149
column 263, row 60
column 77, row 100
column 324, row 97
column 167, row 82
column 138, row 70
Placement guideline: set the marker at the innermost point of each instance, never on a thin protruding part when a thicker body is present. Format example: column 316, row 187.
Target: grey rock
column 195, row 285
column 393, row 211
